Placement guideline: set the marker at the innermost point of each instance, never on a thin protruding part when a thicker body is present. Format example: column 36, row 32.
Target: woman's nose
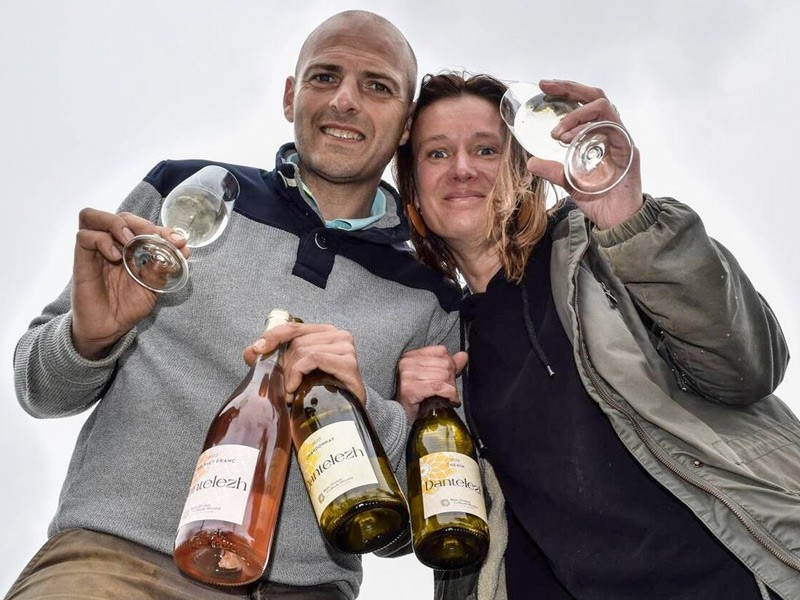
column 463, row 168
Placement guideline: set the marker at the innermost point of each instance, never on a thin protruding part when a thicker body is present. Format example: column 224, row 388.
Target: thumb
column 460, row 361
column 549, row 170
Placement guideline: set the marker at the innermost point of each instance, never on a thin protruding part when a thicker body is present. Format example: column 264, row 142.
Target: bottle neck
column 433, row 404
column 319, row 377
column 269, row 357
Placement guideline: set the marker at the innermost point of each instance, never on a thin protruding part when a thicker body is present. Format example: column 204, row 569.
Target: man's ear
column 288, row 99
column 407, row 126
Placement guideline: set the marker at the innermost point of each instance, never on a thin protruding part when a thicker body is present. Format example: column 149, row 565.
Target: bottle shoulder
column 441, row 432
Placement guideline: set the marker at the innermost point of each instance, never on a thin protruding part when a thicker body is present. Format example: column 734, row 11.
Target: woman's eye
column 486, row 151
column 437, row 154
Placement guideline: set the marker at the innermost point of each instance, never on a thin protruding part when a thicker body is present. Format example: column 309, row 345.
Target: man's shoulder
column 397, row 262
column 169, row 173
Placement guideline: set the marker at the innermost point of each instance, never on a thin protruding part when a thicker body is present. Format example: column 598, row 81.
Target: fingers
column 101, row 232
column 571, row 90
column 548, row 170
column 176, row 238
column 283, row 334
column 332, row 351
column 460, row 361
column 104, row 233
column 426, row 372
column 596, row 107
column 312, row 346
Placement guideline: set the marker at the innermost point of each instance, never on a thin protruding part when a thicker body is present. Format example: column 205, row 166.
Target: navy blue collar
column 266, row 197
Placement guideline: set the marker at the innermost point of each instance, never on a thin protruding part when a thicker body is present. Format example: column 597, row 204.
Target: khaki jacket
column 687, row 387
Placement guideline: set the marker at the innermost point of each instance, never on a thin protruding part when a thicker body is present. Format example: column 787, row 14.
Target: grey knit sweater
column 155, row 395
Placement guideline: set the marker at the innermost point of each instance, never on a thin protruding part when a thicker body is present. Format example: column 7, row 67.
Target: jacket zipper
column 666, row 460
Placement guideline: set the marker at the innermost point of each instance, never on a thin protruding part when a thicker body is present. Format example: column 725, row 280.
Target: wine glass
column 598, row 157
column 198, row 208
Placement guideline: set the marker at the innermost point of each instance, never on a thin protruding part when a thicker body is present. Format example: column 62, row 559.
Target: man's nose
column 346, row 97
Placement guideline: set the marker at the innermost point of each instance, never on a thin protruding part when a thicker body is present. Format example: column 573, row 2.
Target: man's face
column 350, row 103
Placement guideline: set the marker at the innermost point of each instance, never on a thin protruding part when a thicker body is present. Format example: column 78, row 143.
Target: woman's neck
column 478, row 264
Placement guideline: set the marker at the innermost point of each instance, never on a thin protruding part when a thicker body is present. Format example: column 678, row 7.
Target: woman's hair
column 517, row 216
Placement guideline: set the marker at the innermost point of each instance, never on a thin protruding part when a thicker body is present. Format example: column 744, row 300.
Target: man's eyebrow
column 377, row 75
column 323, row 67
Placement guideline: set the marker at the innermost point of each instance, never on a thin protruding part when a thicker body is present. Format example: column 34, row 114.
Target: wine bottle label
column 221, row 484
column 451, row 482
column 333, row 461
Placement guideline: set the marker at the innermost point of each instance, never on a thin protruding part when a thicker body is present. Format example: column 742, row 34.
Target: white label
column 333, row 461
column 451, row 482
column 221, row 484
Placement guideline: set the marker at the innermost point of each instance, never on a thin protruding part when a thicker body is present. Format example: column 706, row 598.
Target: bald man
column 321, row 236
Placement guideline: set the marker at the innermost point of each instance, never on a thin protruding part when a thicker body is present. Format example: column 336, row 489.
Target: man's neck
column 341, row 200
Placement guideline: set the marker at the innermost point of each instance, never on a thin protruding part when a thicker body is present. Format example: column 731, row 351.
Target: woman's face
column 457, row 145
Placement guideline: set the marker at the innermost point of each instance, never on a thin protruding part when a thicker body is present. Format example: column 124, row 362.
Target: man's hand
column 312, row 346
column 625, row 199
column 106, row 301
column 426, row 372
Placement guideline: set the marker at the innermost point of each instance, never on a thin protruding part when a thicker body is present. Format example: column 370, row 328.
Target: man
column 316, row 236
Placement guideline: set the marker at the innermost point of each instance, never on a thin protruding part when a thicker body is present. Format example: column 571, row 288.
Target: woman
column 617, row 355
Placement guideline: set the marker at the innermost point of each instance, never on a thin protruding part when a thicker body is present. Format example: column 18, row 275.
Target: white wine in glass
column 198, row 208
column 598, row 158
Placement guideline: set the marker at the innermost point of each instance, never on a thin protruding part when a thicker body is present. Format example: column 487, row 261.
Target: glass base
column 452, row 548
column 155, row 263
column 598, row 158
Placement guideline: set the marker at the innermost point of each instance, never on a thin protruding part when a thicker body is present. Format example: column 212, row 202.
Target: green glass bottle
column 356, row 498
column 445, row 493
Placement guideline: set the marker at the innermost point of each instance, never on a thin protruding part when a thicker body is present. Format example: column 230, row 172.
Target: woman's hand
column 426, row 372
column 621, row 202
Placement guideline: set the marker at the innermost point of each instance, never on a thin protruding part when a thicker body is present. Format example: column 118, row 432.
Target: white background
column 93, row 93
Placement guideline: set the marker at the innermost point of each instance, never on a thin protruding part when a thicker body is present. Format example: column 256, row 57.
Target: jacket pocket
column 771, row 453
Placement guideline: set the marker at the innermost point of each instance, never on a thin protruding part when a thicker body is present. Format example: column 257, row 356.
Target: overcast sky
column 94, row 92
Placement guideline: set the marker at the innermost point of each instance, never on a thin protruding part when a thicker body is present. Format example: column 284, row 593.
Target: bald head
column 369, row 25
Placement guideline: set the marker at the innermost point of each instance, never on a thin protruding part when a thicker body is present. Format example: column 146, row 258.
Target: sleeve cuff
column 644, row 218
column 389, row 420
column 68, row 362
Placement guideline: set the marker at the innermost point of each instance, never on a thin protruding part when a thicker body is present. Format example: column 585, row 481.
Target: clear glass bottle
column 445, row 493
column 356, row 498
column 226, row 529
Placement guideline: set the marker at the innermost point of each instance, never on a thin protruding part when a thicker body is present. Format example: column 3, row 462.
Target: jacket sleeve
column 391, row 424
column 388, row 415
column 718, row 332
column 50, row 378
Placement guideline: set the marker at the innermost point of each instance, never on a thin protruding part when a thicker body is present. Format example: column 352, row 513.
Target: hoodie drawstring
column 526, row 317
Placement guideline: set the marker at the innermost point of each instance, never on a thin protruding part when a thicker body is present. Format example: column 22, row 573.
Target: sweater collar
column 391, row 223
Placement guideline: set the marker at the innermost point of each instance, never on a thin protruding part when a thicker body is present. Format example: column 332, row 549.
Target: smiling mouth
column 464, row 195
column 343, row 134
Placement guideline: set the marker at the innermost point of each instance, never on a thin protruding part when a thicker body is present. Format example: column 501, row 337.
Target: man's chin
column 335, row 168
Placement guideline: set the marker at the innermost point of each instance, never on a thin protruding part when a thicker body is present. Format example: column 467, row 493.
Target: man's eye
column 323, row 78
column 377, row 86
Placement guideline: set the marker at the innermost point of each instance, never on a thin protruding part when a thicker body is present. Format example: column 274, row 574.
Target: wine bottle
column 228, row 521
column 355, row 496
column 448, row 513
